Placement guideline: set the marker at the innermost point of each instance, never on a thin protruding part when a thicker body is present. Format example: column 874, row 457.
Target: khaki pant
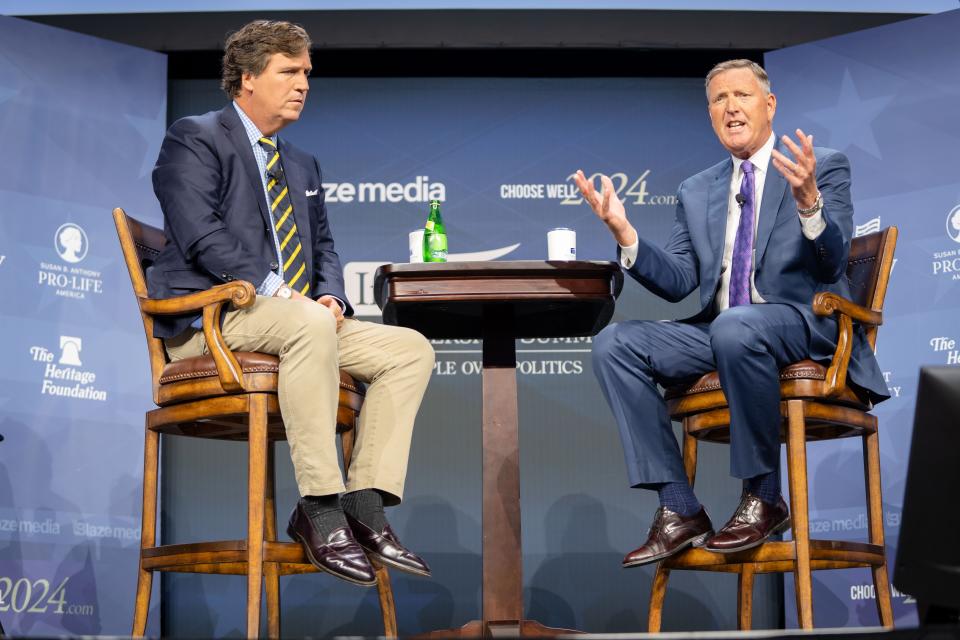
column 395, row 362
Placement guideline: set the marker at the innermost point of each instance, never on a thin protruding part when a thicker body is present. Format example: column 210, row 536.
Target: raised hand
column 608, row 207
column 801, row 171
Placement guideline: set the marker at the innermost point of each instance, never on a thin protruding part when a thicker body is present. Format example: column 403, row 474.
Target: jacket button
column 274, row 265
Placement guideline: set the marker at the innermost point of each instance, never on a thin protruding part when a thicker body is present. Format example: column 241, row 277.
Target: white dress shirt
column 812, row 226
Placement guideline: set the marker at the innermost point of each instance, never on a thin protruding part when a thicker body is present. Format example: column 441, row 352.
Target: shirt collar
column 253, row 133
column 760, row 159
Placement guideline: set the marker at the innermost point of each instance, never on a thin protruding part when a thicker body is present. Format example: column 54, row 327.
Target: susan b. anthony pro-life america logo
column 71, row 243
column 946, row 263
column 953, row 224
column 67, row 278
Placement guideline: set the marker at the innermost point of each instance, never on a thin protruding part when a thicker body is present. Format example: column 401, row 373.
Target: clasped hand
column 331, row 303
column 328, row 301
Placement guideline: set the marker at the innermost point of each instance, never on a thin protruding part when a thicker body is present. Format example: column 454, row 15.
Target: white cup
column 416, row 246
column 561, row 244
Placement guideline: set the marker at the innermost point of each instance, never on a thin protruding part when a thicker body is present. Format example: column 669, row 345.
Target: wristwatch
column 817, row 206
column 284, row 292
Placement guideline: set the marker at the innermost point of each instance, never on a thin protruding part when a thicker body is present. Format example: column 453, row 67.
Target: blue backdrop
column 82, row 138
column 81, row 120
column 887, row 97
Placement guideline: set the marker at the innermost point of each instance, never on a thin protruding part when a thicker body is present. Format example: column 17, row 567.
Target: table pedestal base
column 499, row 303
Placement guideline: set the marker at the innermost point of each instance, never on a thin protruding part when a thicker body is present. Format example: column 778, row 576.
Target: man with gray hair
column 241, row 203
column 759, row 244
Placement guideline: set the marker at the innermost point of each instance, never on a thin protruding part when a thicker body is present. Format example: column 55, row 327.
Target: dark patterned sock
column 678, row 497
column 325, row 513
column 766, row 486
column 366, row 505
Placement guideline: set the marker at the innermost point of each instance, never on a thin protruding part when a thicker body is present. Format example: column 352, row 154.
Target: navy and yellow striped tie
column 281, row 210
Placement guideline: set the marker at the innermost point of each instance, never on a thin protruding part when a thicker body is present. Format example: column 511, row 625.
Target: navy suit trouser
column 747, row 345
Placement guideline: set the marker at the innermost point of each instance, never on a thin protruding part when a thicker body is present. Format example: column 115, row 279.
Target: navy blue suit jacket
column 790, row 269
column 216, row 218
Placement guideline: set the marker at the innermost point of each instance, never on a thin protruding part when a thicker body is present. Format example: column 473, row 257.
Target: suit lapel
column 774, row 189
column 238, row 137
column 718, row 201
column 296, row 185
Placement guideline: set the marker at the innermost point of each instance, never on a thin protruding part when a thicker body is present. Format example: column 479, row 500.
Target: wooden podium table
column 500, row 302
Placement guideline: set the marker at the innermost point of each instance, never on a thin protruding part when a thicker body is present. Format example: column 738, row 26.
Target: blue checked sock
column 766, row 486
column 678, row 497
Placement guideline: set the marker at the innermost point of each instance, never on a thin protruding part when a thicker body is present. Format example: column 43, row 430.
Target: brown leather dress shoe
column 384, row 547
column 338, row 555
column 750, row 525
column 669, row 534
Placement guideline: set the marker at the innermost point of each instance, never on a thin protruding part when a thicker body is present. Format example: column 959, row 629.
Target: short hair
column 739, row 63
column 249, row 49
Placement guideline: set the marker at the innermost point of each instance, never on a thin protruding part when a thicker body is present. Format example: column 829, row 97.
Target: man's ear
column 246, row 82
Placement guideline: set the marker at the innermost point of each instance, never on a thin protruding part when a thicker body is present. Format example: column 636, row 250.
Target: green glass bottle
column 434, row 236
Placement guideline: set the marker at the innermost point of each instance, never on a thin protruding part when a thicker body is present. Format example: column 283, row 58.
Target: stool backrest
column 868, row 271
column 141, row 244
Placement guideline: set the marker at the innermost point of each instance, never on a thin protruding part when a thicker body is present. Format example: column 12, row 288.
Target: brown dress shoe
column 750, row 525
column 669, row 534
column 338, row 555
column 385, row 547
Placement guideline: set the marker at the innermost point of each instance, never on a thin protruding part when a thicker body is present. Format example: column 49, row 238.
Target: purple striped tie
column 742, row 260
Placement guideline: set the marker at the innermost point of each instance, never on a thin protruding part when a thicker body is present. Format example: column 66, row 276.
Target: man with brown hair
column 240, row 203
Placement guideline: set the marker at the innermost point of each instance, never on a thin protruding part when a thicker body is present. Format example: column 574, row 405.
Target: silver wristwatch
column 284, row 292
column 806, row 213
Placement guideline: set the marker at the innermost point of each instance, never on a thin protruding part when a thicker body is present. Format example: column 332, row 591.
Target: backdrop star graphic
column 850, row 120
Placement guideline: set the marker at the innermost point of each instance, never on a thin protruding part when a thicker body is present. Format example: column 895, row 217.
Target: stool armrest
column 826, row 303
column 240, row 293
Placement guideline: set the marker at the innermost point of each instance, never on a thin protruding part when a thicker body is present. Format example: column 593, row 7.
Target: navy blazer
column 216, row 219
column 790, row 269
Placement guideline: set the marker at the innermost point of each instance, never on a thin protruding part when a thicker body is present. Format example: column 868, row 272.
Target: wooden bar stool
column 225, row 395
column 817, row 404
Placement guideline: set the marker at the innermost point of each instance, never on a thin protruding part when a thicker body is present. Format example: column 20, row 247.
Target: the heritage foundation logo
column 947, row 347
column 68, row 279
column 64, row 375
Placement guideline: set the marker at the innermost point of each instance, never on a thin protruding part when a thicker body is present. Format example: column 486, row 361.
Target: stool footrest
column 223, row 557
column 781, row 556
